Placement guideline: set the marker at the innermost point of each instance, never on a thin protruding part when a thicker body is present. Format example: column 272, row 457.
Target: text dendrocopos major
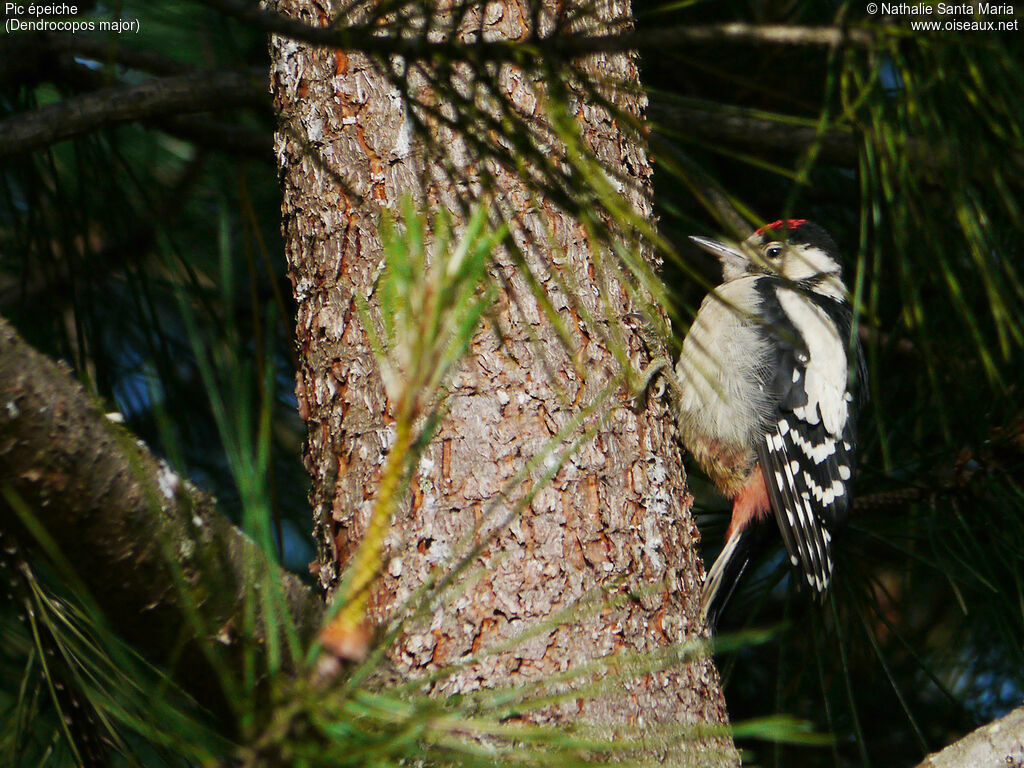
column 768, row 397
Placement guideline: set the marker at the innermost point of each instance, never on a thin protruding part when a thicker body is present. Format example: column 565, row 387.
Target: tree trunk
column 615, row 519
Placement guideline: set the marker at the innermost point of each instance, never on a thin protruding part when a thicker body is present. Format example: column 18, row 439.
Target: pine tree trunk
column 614, row 521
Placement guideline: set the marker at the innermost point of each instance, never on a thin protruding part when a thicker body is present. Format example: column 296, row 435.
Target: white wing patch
column 825, row 383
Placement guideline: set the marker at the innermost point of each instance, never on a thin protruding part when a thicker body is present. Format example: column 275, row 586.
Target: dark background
column 110, row 239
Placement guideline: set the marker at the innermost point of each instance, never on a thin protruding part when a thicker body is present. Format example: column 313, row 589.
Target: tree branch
column 369, row 38
column 111, row 50
column 197, row 92
column 24, row 55
column 998, row 743
column 169, row 572
column 739, row 127
column 717, row 124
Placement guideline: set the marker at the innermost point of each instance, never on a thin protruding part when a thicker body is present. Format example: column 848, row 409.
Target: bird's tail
column 721, row 580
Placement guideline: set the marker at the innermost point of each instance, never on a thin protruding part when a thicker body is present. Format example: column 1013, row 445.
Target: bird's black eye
column 773, row 251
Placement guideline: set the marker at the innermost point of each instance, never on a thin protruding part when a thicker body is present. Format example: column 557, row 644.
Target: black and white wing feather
column 808, row 451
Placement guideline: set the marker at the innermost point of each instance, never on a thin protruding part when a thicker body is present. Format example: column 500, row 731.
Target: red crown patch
column 781, row 224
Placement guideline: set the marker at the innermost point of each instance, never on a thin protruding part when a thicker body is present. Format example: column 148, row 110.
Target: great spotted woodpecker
column 768, row 397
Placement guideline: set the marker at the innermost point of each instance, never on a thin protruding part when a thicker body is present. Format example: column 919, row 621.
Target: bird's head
column 794, row 249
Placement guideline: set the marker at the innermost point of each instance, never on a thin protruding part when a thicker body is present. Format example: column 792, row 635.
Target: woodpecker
column 768, row 382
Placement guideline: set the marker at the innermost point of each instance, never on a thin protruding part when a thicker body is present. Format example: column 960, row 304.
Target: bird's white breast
column 722, row 368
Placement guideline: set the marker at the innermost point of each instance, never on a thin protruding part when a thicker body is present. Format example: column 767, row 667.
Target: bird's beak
column 732, row 258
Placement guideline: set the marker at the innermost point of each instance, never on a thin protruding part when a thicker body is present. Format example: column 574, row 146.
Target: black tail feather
column 725, row 574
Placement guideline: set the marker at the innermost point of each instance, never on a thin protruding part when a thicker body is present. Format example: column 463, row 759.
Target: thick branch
column 204, row 131
column 999, row 743
column 168, row 571
column 198, row 92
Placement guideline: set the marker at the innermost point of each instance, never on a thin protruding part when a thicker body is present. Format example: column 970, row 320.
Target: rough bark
column 616, row 517
column 999, row 744
column 167, row 570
